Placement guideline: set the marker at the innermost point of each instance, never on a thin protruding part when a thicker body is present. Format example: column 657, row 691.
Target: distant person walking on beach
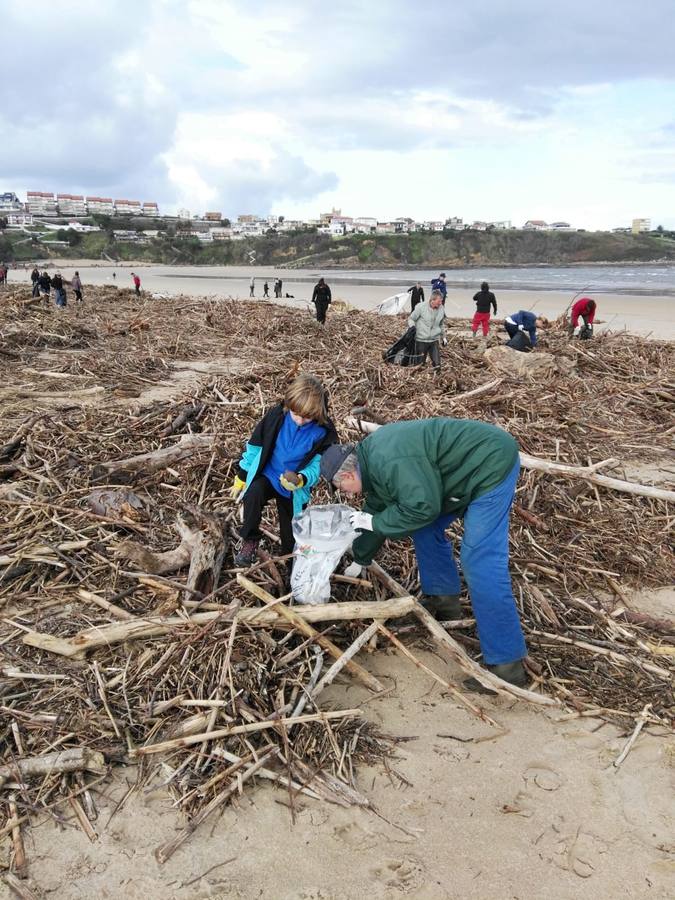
column 137, row 283
column 438, row 284
column 428, row 320
column 266, row 290
column 35, row 278
column 416, row 295
column 525, row 322
column 59, row 290
column 45, row 283
column 484, row 299
column 76, row 285
column 251, row 288
column 321, row 298
column 583, row 309
column 3, row 273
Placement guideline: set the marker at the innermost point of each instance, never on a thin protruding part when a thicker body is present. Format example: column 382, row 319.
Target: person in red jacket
column 137, row 282
column 584, row 308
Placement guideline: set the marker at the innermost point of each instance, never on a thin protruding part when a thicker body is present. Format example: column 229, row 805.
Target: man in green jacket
column 417, row 478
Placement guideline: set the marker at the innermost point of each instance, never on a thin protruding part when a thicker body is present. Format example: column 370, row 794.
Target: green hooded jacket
column 414, row 472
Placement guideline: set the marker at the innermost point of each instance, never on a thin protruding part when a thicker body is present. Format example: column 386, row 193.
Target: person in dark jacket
column 526, row 321
column 59, row 290
column 321, row 298
column 416, row 295
column 281, row 462
column 438, row 284
column 417, row 478
column 35, row 279
column 484, row 299
column 266, row 289
column 45, row 283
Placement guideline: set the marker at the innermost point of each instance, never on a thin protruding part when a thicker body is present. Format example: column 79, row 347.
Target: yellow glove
column 291, row 485
column 237, row 488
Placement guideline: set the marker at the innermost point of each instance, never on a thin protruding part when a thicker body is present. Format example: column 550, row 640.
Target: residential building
column 385, row 228
column 150, row 209
column 455, row 223
column 403, row 225
column 9, row 202
column 213, row 217
column 206, row 237
column 101, row 206
column 221, row 234
column 128, row 236
column 639, row 226
column 184, row 214
column 17, row 219
column 479, row 226
column 622, row 230
column 41, row 203
column 504, row 225
column 560, row 226
column 248, row 219
column 325, row 218
column 365, row 225
column 71, row 205
column 128, row 208
column 535, row 225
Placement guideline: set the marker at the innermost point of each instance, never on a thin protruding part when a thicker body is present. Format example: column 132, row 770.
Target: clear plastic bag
column 322, row 534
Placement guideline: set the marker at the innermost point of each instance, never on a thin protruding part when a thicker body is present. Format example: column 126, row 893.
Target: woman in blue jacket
column 281, row 462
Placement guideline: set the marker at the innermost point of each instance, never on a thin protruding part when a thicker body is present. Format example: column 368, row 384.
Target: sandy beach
column 639, row 313
column 534, row 810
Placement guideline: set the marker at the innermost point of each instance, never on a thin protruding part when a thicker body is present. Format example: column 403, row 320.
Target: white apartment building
column 640, row 226
column 41, row 203
column 17, row 219
column 102, row 206
column 455, row 223
column 535, row 225
column 71, row 205
column 9, row 202
column 504, row 225
column 128, row 207
column 221, row 234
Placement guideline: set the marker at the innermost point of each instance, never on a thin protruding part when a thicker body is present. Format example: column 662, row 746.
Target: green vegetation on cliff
column 446, row 249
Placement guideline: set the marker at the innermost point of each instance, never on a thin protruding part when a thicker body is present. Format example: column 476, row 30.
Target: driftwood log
column 76, row 760
column 588, row 473
column 118, row 632
column 145, row 463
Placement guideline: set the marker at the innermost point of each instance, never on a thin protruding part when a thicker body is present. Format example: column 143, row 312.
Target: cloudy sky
column 490, row 109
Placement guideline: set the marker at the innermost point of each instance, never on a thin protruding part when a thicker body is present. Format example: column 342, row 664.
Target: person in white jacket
column 428, row 319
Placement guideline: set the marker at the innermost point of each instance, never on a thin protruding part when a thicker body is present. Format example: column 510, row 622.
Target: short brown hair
column 306, row 397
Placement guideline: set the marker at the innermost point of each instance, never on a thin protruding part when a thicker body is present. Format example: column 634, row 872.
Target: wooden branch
column 476, row 710
column 154, row 626
column 175, row 743
column 156, row 459
column 588, row 473
column 75, row 760
column 299, row 622
column 342, row 660
column 457, row 652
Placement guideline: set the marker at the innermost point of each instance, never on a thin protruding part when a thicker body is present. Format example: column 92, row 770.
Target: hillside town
column 77, row 212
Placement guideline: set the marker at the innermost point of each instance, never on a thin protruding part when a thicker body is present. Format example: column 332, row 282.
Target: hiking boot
column 513, row 672
column 443, row 607
column 247, row 554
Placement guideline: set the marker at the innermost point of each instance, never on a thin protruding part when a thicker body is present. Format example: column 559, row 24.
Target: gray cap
column 332, row 459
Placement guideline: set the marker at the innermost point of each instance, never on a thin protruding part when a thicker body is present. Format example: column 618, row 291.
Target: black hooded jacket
column 483, row 301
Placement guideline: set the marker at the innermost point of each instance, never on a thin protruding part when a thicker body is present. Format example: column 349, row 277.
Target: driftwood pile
column 127, row 635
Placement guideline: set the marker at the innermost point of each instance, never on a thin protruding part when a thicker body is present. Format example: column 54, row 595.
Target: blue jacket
column 438, row 284
column 529, row 322
column 260, row 447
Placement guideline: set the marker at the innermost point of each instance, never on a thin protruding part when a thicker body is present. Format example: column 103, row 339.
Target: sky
column 489, row 110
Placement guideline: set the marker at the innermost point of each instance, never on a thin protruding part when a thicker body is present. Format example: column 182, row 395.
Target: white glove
column 521, row 328
column 361, row 521
column 353, row 570
column 444, row 341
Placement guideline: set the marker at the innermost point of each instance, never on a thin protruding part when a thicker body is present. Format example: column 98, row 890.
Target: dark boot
column 443, row 607
column 247, row 554
column 513, row 672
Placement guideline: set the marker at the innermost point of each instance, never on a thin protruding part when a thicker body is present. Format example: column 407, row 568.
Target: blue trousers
column 484, row 556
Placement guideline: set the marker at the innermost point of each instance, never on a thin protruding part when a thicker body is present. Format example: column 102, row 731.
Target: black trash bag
column 402, row 352
column 586, row 332
column 520, row 341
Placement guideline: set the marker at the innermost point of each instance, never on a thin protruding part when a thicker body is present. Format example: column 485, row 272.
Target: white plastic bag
column 322, row 534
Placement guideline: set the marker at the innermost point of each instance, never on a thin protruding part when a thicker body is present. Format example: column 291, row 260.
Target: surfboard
column 392, row 306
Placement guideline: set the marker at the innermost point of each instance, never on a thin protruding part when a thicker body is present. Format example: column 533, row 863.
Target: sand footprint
column 543, row 777
column 404, row 875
